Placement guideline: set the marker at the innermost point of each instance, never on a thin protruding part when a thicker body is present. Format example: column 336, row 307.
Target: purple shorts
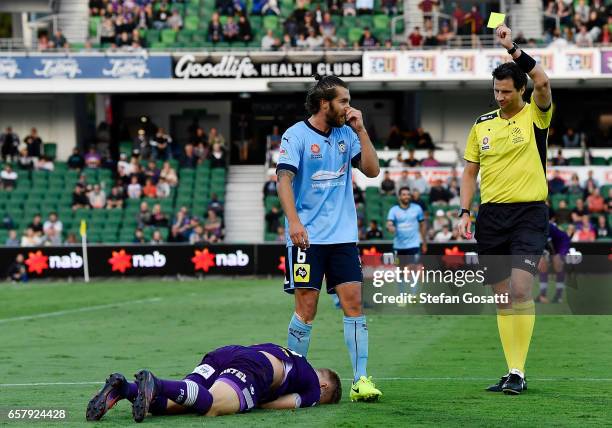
column 247, row 371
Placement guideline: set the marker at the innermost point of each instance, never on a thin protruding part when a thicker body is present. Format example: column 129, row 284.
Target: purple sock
column 187, row 393
column 560, row 277
column 159, row 405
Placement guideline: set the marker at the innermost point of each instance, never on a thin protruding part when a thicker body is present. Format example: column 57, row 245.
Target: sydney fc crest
column 342, row 146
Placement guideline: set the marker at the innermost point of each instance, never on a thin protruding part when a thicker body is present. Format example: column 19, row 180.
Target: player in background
column 315, row 189
column 508, row 147
column 557, row 247
column 407, row 223
column 228, row 380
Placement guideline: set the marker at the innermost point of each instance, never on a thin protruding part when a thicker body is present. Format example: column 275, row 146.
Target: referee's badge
column 485, row 144
column 342, row 146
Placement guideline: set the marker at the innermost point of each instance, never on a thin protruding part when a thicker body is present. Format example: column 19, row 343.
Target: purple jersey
column 558, row 240
column 300, row 377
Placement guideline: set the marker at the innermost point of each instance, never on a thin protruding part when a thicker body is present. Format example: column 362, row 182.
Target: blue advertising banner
column 86, row 67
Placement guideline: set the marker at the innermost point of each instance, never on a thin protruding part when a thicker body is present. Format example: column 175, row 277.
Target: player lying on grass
column 231, row 379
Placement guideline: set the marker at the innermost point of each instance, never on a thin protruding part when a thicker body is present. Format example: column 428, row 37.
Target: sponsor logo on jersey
column 485, row 143
column 315, row 149
column 323, row 175
column 517, row 136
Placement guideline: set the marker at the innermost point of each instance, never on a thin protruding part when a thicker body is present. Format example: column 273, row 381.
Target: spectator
column 180, row 225
column 76, row 161
column 602, row 231
column 25, row 162
column 214, row 137
column 571, row 231
column 97, row 197
column 367, row 39
column 152, row 172
column 415, row 39
column 585, row 233
column 198, row 235
column 51, row 238
column 215, row 204
column 575, row 188
column 115, row 199
column 559, row 160
column 157, row 217
column 348, row 8
column 79, row 198
column 270, row 7
column 595, row 202
column 45, row 164
column 419, row 183
column 581, row 11
column 411, row 161
column 430, row 161
column 139, row 237
column 144, row 215
column 443, row 235
column 395, row 139
column 374, row 231
column 8, row 177
column 397, row 161
column 387, row 186
column 389, row 7
column 269, row 188
column 30, row 239
column 12, row 240
column 579, row 212
column 217, row 157
column 215, row 29
column 454, row 192
column 327, row 27
column 175, row 21
column 245, row 32
column 149, row 190
column 160, row 145
column 520, row 39
column 269, row 42
column 445, row 35
column 440, row 221
column 590, row 180
column 404, row 180
column 34, row 144
column 314, row 40
column 473, row 21
column 169, row 174
column 424, row 140
column 430, row 40
column 134, row 189
column 213, row 227
column 563, row 214
column 53, row 223
column 163, row 188
column 365, row 7
column 156, row 237
column 107, row 31
column 36, row 225
column 59, row 40
column 556, row 184
column 427, row 7
column 188, row 159
column 358, row 196
column 18, row 271
column 438, row 194
column 10, row 144
column 570, row 138
column 280, row 235
column 273, row 219
column 230, row 30
column 160, row 17
column 93, row 158
column 416, row 199
column 583, row 38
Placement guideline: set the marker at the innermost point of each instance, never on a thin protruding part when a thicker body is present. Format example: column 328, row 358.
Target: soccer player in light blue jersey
column 315, row 189
column 406, row 222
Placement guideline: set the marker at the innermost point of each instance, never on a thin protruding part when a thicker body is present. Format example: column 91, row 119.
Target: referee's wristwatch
column 463, row 211
column 513, row 48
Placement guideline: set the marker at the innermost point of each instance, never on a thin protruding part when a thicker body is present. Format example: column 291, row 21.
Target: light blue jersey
column 406, row 222
column 323, row 181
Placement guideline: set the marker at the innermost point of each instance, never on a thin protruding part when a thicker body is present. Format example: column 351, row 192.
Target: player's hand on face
column 465, row 226
column 505, row 36
column 299, row 235
column 354, row 119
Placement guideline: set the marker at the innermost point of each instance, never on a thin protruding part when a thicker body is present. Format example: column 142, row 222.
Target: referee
column 508, row 147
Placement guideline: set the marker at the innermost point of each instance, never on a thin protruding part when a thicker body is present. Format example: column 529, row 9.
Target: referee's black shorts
column 511, row 235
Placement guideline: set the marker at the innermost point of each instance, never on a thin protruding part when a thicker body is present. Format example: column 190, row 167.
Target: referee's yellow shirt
column 511, row 154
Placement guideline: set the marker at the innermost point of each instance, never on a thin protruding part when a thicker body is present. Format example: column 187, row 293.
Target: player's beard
column 335, row 118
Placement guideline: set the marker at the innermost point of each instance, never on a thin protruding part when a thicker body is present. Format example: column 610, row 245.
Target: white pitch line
column 73, row 311
column 384, row 379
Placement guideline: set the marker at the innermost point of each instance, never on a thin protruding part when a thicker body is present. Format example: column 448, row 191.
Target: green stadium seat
column 168, row 36
column 152, row 37
column 349, row 21
column 600, row 161
column 576, row 161
column 50, row 150
column 354, row 35
column 270, row 22
column 94, row 22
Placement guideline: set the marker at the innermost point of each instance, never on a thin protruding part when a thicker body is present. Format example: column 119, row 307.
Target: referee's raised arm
column 542, row 94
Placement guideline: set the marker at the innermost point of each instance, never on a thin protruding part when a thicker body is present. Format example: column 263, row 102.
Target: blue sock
column 356, row 339
column 298, row 338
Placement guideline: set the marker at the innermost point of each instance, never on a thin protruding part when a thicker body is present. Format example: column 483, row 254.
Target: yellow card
column 496, row 19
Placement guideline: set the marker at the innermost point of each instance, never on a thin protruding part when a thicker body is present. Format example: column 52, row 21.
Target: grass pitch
column 431, row 369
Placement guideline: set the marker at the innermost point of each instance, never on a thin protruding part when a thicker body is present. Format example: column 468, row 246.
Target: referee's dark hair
column 513, row 71
column 324, row 89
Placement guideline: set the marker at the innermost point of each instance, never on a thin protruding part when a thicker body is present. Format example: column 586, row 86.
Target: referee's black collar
column 321, row 133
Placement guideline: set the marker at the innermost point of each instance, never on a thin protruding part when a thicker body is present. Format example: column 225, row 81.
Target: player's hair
column 512, row 71
column 334, row 384
column 402, row 189
column 324, row 89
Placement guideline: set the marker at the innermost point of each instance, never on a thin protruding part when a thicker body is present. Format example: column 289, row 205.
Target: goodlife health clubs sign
column 189, row 66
